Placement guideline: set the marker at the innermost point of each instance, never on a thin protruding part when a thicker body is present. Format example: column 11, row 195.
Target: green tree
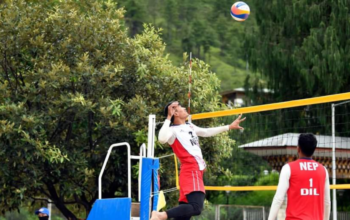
column 171, row 17
column 302, row 50
column 135, row 15
column 72, row 83
column 153, row 8
column 301, row 47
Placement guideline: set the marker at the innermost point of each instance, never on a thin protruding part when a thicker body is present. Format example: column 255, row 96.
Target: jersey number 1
column 311, row 191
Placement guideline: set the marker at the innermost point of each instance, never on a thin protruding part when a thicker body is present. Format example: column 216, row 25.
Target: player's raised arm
column 166, row 135
column 236, row 123
column 208, row 132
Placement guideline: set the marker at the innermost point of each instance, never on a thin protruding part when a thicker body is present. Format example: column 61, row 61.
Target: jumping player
column 183, row 138
column 306, row 184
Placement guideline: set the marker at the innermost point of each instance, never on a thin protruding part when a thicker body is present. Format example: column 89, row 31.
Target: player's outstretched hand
column 235, row 123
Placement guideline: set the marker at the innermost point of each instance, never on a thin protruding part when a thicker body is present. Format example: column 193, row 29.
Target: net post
column 333, row 165
column 151, row 133
column 189, row 85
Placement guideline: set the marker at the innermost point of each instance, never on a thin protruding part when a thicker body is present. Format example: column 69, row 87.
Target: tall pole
column 49, row 206
column 189, row 88
column 333, row 159
column 333, row 165
column 151, row 133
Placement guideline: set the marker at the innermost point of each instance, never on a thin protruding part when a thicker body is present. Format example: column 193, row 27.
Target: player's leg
column 191, row 198
column 164, row 215
column 186, row 210
column 182, row 218
column 182, row 201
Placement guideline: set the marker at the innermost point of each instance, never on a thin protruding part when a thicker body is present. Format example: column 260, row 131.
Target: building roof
column 291, row 139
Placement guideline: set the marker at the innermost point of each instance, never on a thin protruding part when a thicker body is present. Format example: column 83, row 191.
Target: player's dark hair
column 166, row 111
column 307, row 143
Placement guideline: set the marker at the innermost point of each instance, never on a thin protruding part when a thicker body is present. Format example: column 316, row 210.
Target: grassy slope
column 231, row 77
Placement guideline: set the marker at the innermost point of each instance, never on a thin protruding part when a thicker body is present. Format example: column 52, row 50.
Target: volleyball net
column 270, row 138
column 269, row 141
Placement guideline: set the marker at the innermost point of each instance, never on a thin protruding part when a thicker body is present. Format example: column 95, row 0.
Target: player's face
column 181, row 112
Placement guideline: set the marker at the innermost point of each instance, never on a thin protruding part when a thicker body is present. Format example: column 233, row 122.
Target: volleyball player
column 183, row 138
column 306, row 184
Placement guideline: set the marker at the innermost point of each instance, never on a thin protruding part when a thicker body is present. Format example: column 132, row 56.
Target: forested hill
column 203, row 27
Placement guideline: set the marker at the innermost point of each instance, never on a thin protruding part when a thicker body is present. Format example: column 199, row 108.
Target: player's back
column 306, row 190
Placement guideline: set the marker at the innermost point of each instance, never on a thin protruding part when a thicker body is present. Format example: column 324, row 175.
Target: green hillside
column 202, row 27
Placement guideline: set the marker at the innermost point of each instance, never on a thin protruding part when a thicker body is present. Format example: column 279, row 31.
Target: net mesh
column 270, row 140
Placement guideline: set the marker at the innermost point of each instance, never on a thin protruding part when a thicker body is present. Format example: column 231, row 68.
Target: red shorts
column 190, row 181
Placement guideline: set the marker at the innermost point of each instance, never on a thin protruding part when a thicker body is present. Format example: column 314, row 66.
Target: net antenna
column 189, row 88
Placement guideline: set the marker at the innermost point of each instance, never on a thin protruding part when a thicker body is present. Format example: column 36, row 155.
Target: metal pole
column 49, row 206
column 333, row 159
column 104, row 167
column 142, row 154
column 244, row 214
column 342, row 103
column 263, row 212
column 333, row 165
column 151, row 132
column 217, row 217
column 189, row 86
column 150, row 147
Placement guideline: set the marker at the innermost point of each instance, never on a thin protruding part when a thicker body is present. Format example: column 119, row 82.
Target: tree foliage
column 302, row 47
column 71, row 84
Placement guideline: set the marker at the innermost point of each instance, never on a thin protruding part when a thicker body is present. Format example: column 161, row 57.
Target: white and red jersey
column 186, row 147
column 306, row 184
column 306, row 190
column 185, row 143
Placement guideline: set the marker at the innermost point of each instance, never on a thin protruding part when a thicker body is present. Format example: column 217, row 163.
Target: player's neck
column 179, row 121
column 302, row 156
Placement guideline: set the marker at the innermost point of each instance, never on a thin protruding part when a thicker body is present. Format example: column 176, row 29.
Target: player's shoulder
column 190, row 125
column 293, row 163
column 319, row 164
column 286, row 166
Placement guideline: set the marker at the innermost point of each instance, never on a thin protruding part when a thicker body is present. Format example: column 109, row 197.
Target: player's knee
column 197, row 210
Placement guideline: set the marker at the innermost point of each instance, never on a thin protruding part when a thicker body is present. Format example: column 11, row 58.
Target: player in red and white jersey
column 183, row 138
column 306, row 184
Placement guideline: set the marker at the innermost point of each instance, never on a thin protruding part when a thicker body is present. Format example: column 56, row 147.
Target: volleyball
column 240, row 11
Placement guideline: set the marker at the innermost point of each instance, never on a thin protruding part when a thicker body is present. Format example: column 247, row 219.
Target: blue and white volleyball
column 240, row 11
